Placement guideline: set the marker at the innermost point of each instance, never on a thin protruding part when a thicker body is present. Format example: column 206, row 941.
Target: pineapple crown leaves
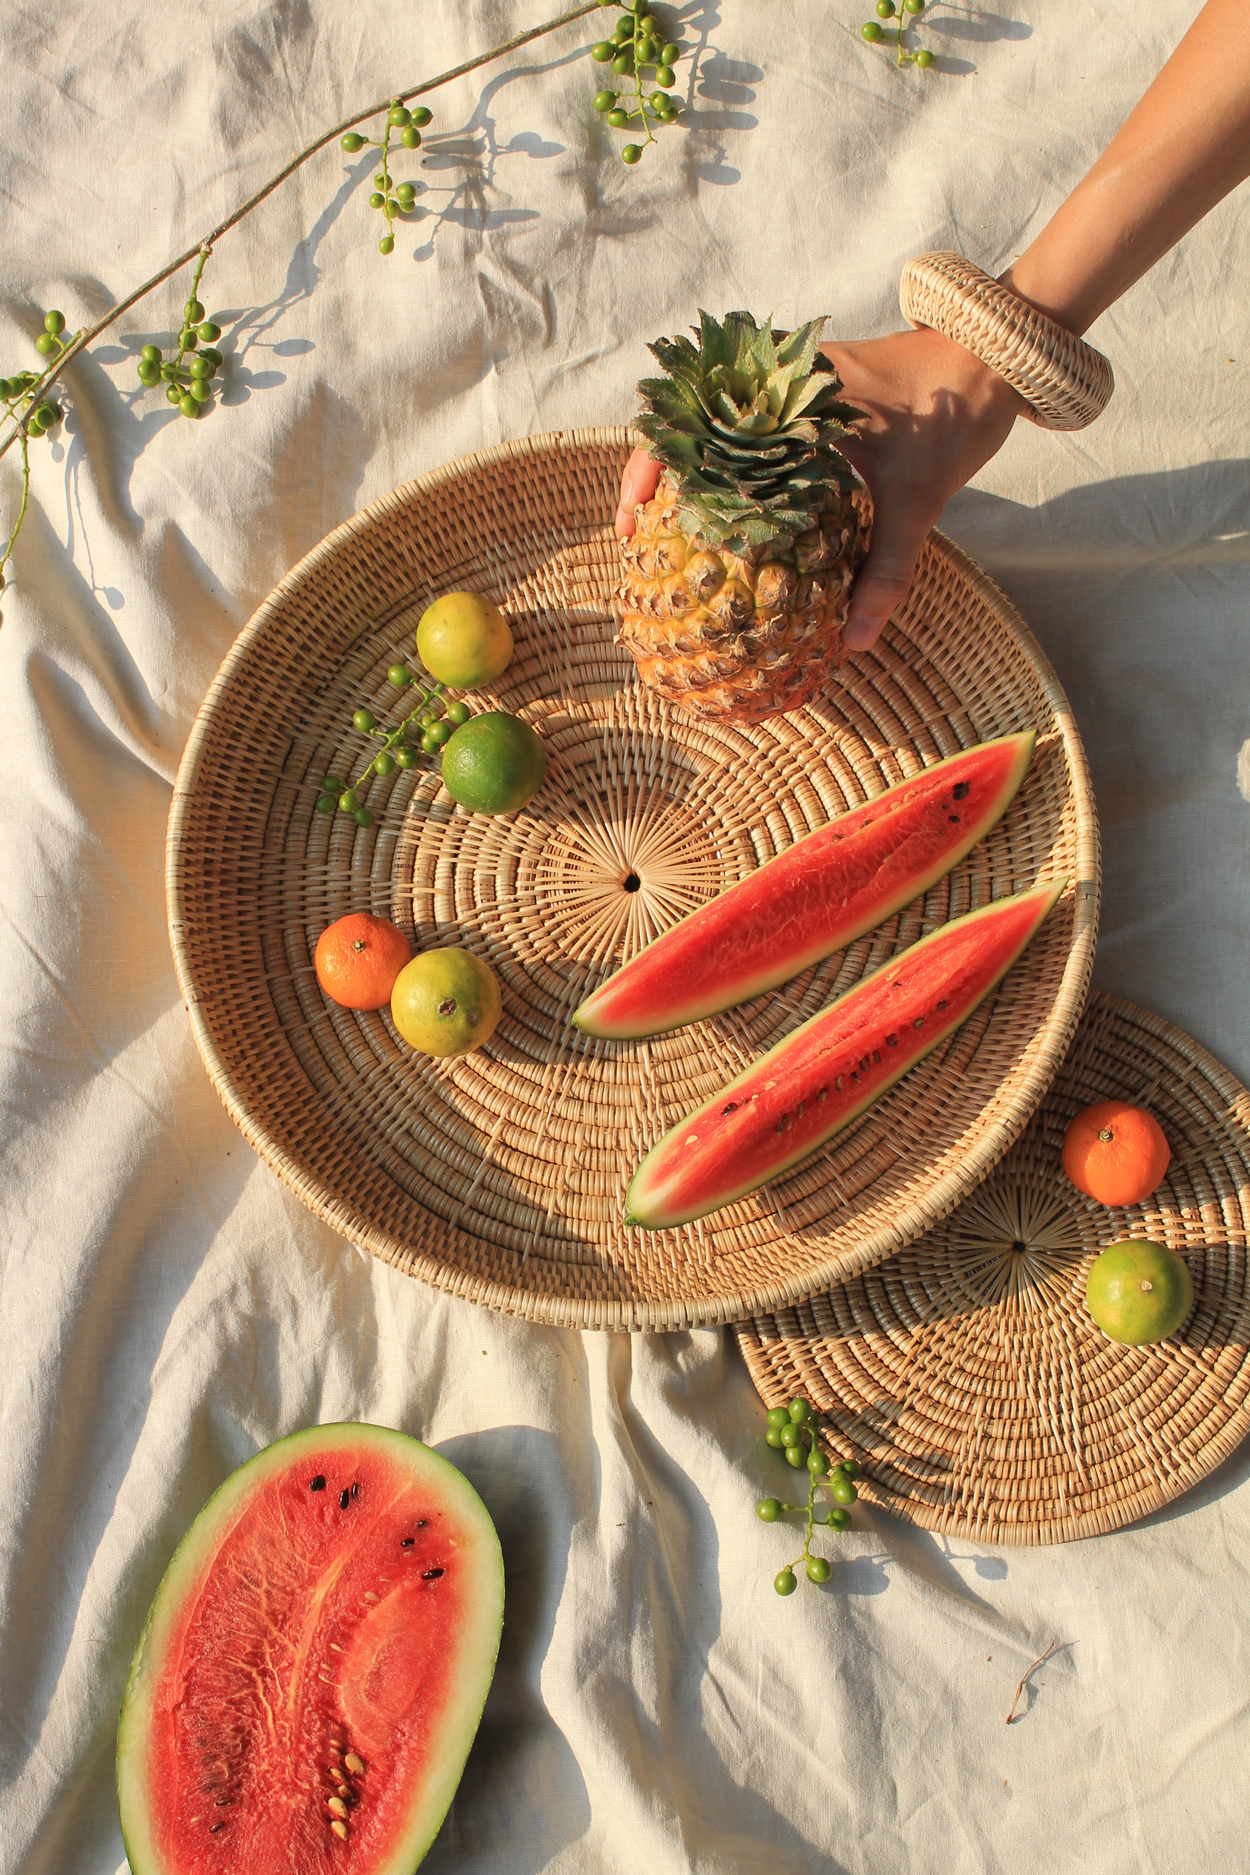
column 747, row 421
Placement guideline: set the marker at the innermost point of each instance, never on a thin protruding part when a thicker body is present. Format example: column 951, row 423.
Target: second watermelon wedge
column 828, row 1070
column 818, row 896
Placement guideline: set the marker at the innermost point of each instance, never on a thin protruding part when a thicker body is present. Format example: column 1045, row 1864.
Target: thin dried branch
column 1024, row 1681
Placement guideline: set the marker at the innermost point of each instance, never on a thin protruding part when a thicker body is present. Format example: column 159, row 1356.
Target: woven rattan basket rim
column 1196, row 1227
column 728, row 1305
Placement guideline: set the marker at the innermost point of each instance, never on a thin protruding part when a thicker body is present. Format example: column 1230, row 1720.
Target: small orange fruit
column 358, row 958
column 1115, row 1152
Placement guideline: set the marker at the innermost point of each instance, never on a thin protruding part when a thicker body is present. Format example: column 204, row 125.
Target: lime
column 1138, row 1292
column 463, row 640
column 446, row 1002
column 494, row 763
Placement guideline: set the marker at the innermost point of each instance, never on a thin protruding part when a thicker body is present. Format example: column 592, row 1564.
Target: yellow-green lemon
column 464, row 641
column 494, row 763
column 1138, row 1292
column 446, row 1002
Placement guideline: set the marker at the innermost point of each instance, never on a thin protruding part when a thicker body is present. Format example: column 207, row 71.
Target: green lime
column 1138, row 1292
column 494, row 763
column 463, row 640
column 446, row 1002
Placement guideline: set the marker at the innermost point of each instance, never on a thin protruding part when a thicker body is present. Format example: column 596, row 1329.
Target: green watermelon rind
column 734, row 900
column 636, row 1199
column 188, row 1565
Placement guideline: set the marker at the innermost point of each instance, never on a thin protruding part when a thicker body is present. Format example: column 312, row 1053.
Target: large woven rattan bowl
column 966, row 1374
column 500, row 1175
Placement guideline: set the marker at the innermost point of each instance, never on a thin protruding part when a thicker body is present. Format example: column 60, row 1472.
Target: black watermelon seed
column 855, row 1077
column 863, row 1066
column 355, row 1490
column 942, row 1004
column 876, row 1054
column 918, row 1023
column 406, row 1542
column 430, row 1575
column 731, row 1108
column 345, row 1498
column 317, row 1484
column 421, row 1523
column 823, row 1094
column 962, row 790
column 891, row 1041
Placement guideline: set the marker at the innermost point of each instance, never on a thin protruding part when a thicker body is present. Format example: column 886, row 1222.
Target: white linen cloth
column 168, row 1308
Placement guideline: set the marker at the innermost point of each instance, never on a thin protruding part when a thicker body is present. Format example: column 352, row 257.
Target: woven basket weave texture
column 966, row 1374
column 500, row 1175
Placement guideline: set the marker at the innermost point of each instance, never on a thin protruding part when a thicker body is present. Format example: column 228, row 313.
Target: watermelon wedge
column 809, row 1086
column 313, row 1669
column 813, row 899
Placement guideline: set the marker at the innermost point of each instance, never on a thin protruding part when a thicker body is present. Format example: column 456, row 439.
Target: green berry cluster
column 395, row 200
column 431, row 721
column 875, row 33
column 188, row 375
column 639, row 43
column 16, row 391
column 33, row 414
column 795, row 1430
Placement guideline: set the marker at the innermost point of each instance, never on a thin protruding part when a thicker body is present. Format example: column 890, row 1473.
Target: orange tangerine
column 358, row 958
column 1115, row 1152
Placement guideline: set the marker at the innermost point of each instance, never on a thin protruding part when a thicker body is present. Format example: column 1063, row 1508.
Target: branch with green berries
column 188, row 385
column 876, row 33
column 638, row 43
column 795, row 1430
column 395, row 200
column 433, row 721
column 32, row 414
column 639, row 46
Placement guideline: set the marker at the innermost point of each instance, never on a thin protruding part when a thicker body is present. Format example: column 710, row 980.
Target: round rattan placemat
column 965, row 1373
column 500, row 1176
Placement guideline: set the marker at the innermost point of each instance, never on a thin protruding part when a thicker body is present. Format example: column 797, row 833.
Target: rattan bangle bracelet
column 1064, row 381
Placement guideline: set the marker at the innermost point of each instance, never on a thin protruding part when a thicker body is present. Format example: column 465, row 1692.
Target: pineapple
column 737, row 580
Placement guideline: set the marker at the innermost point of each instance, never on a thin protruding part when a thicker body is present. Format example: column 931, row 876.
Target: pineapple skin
column 739, row 639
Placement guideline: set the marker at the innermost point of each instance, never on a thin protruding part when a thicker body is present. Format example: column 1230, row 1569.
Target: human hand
column 933, row 415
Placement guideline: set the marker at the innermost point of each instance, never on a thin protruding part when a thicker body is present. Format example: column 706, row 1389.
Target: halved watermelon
column 813, row 899
column 313, row 1669
column 832, row 1066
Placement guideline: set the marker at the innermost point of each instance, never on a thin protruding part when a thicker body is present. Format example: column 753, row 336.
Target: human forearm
column 1185, row 146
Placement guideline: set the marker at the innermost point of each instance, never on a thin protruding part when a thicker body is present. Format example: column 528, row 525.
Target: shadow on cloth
column 521, row 1781
column 1137, row 589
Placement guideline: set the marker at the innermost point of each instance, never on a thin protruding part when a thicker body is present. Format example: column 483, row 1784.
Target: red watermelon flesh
column 314, row 1667
column 813, row 899
column 833, row 1066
